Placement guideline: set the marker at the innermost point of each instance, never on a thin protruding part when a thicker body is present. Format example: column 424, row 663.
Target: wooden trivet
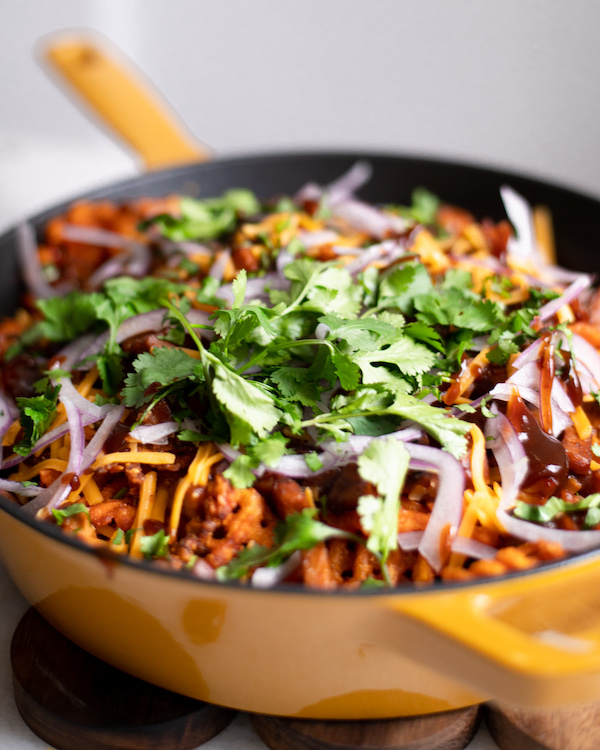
column 73, row 700
column 568, row 728
column 451, row 730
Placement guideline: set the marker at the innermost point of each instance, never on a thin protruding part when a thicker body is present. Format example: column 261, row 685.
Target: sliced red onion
column 383, row 250
column 19, row 489
column 570, row 541
column 333, row 455
column 154, row 434
column 528, row 375
column 139, row 261
column 338, row 190
column 570, row 293
column 8, row 412
column 73, row 353
column 490, row 262
column 169, row 247
column 320, row 237
column 365, row 218
column 69, row 394
column 309, row 192
column 565, row 275
column 47, row 440
column 345, row 250
column 587, row 355
column 283, row 259
column 448, row 505
column 144, row 323
column 95, row 236
column 531, row 354
column 519, row 212
column 410, row 540
column 134, row 260
column 31, row 267
column 194, row 425
column 509, row 454
column 203, row 570
column 115, row 266
column 296, row 467
column 265, row 578
column 463, row 545
column 96, row 444
column 560, row 417
column 217, row 269
column 52, row 496
column 346, row 185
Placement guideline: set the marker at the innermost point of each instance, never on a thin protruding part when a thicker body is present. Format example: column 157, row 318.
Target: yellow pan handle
column 123, row 99
column 531, row 640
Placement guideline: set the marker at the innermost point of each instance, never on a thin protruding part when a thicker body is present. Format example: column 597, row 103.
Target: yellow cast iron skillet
column 530, row 638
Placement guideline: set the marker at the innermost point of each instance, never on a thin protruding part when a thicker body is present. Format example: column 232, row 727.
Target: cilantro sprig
column 300, row 531
column 36, row 415
column 554, row 507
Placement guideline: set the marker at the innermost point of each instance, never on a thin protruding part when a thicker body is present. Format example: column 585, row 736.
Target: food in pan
column 313, row 390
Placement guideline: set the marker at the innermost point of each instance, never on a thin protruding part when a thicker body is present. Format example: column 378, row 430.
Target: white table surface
column 32, row 177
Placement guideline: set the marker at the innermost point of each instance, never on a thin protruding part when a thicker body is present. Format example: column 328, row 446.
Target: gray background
column 509, row 83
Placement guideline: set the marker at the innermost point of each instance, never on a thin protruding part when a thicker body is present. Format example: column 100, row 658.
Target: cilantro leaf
column 163, row 366
column 67, row 317
column 299, row 531
column 205, row 219
column 239, row 472
column 384, row 463
column 248, row 409
column 424, row 206
column 61, row 514
column 410, row 357
column 37, row 414
column 156, row 545
column 321, row 287
column 400, row 286
column 554, row 507
column 365, row 334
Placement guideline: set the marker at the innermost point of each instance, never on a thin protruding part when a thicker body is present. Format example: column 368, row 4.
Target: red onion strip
column 570, row 293
column 448, row 505
column 410, row 540
column 571, row 541
column 518, row 211
column 509, row 454
column 464, row 545
column 264, row 578
column 154, row 434
column 30, row 266
column 19, row 489
column 217, row 269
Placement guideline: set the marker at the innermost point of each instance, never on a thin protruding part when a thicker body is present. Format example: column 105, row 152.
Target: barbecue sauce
column 115, row 442
column 570, row 379
column 547, row 459
column 546, row 380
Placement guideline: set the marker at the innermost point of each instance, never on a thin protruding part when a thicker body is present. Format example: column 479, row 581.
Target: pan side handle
column 122, row 99
column 532, row 640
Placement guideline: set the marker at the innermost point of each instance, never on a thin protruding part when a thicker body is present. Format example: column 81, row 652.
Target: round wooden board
column 451, row 730
column 568, row 728
column 73, row 700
